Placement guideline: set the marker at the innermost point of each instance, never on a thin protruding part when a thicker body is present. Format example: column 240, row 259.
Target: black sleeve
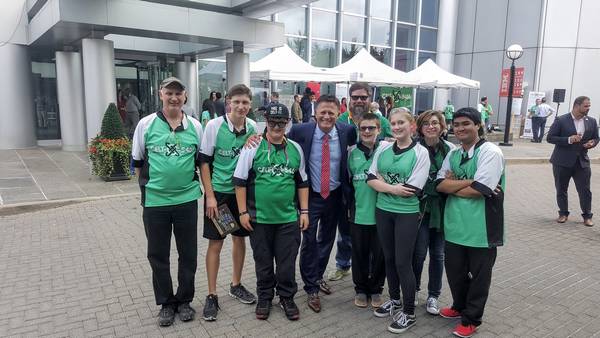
column 482, row 188
column 371, row 177
column 238, row 182
column 138, row 163
column 203, row 158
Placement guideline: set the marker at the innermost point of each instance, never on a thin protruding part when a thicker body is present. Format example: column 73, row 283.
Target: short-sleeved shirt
column 408, row 166
column 360, row 157
column 168, row 159
column 475, row 222
column 221, row 147
column 386, row 129
column 449, row 112
column 485, row 110
column 272, row 173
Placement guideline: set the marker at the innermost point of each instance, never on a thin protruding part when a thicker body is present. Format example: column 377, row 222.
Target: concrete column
column 238, row 69
column 69, row 87
column 446, row 45
column 187, row 71
column 17, row 126
column 99, row 81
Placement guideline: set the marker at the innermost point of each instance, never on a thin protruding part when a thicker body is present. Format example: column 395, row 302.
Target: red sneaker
column 464, row 331
column 448, row 312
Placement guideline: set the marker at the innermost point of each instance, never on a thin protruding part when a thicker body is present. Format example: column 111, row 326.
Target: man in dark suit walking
column 325, row 145
column 573, row 134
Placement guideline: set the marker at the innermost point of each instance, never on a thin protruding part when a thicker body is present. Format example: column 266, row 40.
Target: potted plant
column 110, row 150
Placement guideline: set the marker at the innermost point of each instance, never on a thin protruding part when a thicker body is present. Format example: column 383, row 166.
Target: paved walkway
column 81, row 270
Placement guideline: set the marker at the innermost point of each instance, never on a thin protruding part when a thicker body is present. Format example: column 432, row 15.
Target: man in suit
column 573, row 134
column 325, row 144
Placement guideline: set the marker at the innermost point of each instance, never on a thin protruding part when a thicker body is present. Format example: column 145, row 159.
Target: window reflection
column 323, row 24
column 405, row 36
column 381, row 8
column 429, row 12
column 381, row 32
column 407, row 10
column 323, row 54
column 349, row 50
column 428, row 39
column 294, row 21
column 327, row 4
column 423, row 56
column 354, row 29
column 355, row 6
column 298, row 45
column 405, row 60
column 382, row 54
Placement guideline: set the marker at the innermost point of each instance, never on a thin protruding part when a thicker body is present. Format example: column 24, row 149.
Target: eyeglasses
column 359, row 97
column 369, row 128
column 431, row 124
column 280, row 124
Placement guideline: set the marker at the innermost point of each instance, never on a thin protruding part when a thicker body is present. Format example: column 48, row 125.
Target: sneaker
column 211, row 308
column 433, row 306
column 389, row 308
column 376, row 300
column 338, row 274
column 324, row 287
column 240, row 293
column 448, row 312
column 289, row 307
column 166, row 316
column 416, row 298
column 360, row 300
column 402, row 322
column 464, row 331
column 263, row 309
column 186, row 312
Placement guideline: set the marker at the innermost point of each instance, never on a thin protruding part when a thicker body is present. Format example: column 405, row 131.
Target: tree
column 112, row 126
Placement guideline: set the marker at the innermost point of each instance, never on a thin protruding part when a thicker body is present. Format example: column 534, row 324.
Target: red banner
column 518, row 84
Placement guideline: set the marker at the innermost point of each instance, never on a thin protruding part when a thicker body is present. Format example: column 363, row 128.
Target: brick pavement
column 80, row 270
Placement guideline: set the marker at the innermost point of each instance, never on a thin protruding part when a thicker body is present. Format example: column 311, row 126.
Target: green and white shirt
column 272, row 173
column 362, row 209
column 386, row 129
column 408, row 166
column 449, row 112
column 476, row 222
column 168, row 159
column 221, row 146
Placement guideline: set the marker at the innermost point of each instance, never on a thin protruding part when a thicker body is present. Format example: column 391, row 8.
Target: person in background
column 389, row 105
column 306, row 105
column 486, row 111
column 448, row 113
column 375, row 108
column 219, row 105
column 274, row 97
column 296, row 110
column 382, row 107
column 227, row 104
column 343, row 106
column 208, row 104
column 132, row 106
column 544, row 110
column 190, row 111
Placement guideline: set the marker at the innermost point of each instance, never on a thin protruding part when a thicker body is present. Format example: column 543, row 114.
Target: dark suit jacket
column 303, row 135
column 219, row 107
column 565, row 154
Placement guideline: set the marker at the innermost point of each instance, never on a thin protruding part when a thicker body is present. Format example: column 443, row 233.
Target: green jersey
column 272, row 174
column 485, row 110
column 362, row 209
column 168, row 159
column 408, row 166
column 386, row 129
column 449, row 112
column 221, row 146
column 476, row 222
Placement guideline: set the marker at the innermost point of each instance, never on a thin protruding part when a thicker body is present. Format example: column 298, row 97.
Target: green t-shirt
column 408, row 166
column 221, row 146
column 534, row 110
column 449, row 112
column 271, row 173
column 168, row 159
column 485, row 110
column 362, row 210
column 204, row 118
column 476, row 222
column 386, row 129
column 431, row 202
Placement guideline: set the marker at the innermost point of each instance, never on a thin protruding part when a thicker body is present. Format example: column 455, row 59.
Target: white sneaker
column 433, row 306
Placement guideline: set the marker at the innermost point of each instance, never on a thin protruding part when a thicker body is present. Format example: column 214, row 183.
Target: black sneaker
column 289, row 307
column 263, row 309
column 211, row 308
column 240, row 293
column 186, row 312
column 402, row 322
column 389, row 308
column 166, row 316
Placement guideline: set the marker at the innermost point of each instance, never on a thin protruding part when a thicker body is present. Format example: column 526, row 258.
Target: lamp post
column 513, row 52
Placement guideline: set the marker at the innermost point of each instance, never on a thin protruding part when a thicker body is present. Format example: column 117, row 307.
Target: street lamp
column 513, row 52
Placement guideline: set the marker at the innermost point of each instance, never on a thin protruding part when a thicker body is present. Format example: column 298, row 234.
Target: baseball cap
column 276, row 110
column 170, row 81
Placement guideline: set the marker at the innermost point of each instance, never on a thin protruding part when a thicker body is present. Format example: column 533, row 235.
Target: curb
column 529, row 160
column 26, row 207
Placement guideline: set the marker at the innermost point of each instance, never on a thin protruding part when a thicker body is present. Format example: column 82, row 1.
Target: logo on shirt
column 233, row 153
column 361, row 176
column 276, row 170
column 172, row 149
column 394, row 178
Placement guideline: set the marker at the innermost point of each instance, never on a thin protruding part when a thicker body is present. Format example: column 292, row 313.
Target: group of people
column 393, row 190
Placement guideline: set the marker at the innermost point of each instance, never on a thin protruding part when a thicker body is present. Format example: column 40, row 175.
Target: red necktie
column 325, row 167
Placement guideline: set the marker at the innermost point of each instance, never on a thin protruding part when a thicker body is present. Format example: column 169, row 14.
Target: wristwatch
column 243, row 213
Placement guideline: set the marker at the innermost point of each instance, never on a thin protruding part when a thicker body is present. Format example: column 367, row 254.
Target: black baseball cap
column 276, row 111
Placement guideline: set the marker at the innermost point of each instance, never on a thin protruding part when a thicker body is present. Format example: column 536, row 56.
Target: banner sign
column 518, row 84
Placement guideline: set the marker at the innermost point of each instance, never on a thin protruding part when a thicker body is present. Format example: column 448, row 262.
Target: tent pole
column 434, row 97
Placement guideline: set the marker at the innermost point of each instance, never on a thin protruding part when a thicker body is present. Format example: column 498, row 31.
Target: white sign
column 341, row 90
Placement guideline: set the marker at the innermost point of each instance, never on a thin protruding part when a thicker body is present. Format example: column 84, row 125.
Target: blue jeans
column 343, row 256
column 432, row 240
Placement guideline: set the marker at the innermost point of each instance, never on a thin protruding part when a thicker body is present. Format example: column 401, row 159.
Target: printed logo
column 276, row 170
column 172, row 149
column 362, row 176
column 394, row 178
column 233, row 153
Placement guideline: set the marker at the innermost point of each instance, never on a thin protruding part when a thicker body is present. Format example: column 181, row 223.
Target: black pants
column 398, row 234
column 159, row 223
column 469, row 272
column 581, row 176
column 279, row 242
column 368, row 264
column 538, row 127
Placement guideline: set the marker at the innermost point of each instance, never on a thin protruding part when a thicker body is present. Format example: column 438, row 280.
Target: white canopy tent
column 283, row 64
column 430, row 75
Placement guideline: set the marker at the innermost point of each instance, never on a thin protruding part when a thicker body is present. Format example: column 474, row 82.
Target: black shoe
column 166, row 316
column 289, row 307
column 240, row 293
column 402, row 322
column 211, row 308
column 186, row 312
column 263, row 309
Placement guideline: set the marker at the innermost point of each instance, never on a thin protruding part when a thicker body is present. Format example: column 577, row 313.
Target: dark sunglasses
column 369, row 128
column 359, row 97
column 280, row 124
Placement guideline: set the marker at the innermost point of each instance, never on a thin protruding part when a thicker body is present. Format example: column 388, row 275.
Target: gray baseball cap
column 170, row 81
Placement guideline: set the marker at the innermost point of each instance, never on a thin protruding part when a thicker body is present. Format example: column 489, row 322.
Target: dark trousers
column 397, row 234
column 368, row 264
column 581, row 176
column 159, row 223
column 318, row 239
column 433, row 240
column 469, row 272
column 343, row 255
column 279, row 242
column 538, row 127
